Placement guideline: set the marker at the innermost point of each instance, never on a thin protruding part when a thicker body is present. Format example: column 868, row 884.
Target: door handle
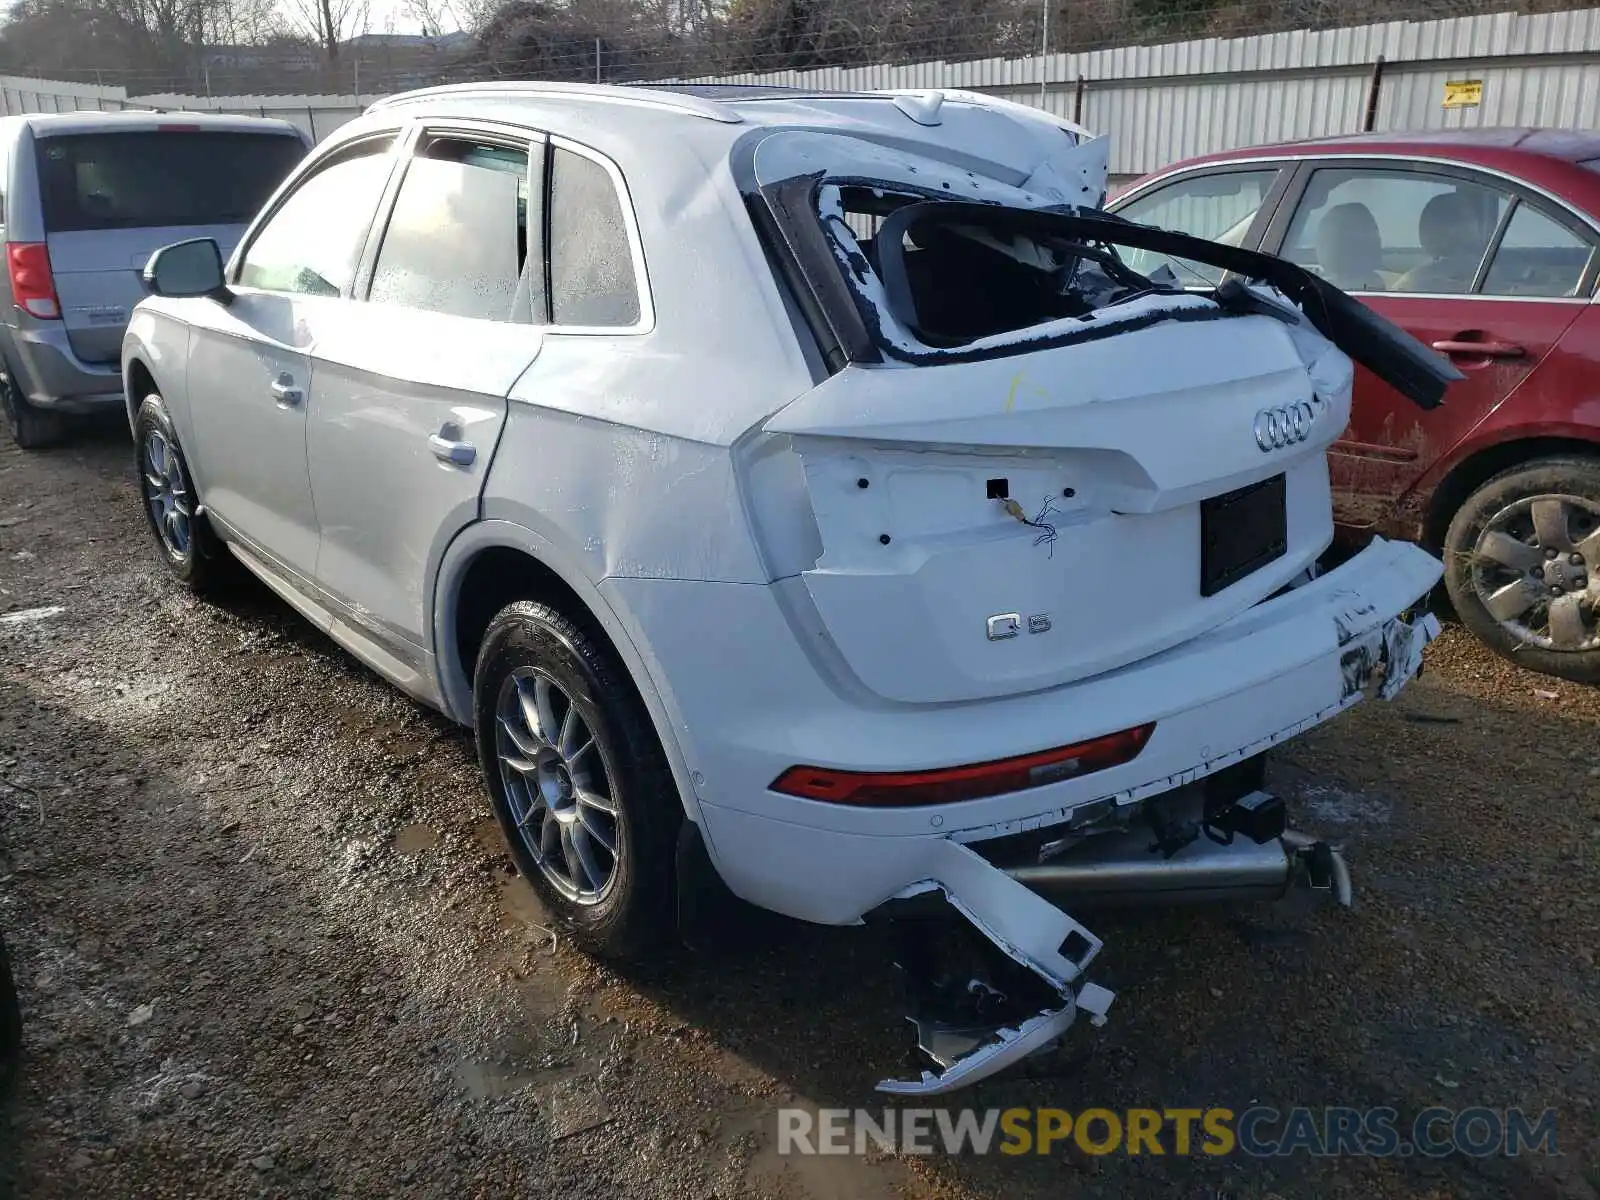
column 285, row 392
column 1480, row 349
column 460, row 454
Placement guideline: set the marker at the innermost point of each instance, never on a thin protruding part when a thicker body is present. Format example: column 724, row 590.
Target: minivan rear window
column 156, row 178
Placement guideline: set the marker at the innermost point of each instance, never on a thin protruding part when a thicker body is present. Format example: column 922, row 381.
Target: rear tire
column 30, row 428
column 579, row 782
column 191, row 549
column 1523, row 535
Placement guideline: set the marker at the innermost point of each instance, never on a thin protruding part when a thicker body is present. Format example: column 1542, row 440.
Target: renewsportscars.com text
column 1259, row 1132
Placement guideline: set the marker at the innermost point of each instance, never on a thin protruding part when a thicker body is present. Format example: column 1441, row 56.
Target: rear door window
column 458, row 238
column 150, row 179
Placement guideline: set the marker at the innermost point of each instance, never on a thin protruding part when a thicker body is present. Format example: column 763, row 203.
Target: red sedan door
column 1463, row 263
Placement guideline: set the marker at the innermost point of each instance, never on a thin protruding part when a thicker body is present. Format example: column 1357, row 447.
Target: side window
column 592, row 282
column 311, row 244
column 1220, row 207
column 1371, row 230
column 458, row 238
column 1537, row 257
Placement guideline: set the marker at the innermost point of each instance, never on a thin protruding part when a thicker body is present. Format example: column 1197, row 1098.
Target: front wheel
column 192, row 551
column 578, row 780
column 1522, row 566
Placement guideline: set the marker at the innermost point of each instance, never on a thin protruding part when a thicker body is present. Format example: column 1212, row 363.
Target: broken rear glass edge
column 866, row 322
column 1076, row 298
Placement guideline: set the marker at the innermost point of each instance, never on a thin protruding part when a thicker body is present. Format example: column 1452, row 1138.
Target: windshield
column 153, row 178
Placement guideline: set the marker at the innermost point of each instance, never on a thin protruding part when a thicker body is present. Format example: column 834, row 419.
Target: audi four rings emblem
column 1283, row 426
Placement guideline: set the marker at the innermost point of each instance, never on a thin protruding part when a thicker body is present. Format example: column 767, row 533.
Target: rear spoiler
column 1389, row 352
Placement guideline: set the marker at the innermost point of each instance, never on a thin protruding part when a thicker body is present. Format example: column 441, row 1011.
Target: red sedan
column 1481, row 243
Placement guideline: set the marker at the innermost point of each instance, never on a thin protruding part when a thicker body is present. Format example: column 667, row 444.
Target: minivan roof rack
column 604, row 93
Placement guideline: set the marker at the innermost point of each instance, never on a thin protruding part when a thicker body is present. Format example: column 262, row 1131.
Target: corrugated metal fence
column 1162, row 103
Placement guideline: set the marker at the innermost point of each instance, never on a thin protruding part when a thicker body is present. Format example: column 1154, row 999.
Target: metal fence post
column 1374, row 86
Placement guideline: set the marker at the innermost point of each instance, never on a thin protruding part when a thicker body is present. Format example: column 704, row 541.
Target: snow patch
column 1334, row 805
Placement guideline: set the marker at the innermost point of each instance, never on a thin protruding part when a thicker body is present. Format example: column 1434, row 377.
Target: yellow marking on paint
column 1011, row 398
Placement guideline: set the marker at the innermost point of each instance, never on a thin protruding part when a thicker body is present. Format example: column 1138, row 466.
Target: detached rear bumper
column 762, row 705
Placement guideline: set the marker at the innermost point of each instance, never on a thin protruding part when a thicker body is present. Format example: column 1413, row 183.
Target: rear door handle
column 460, row 454
column 1480, row 349
column 285, row 392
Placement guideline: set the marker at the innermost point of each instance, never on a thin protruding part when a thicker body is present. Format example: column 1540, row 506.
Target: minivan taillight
column 32, row 285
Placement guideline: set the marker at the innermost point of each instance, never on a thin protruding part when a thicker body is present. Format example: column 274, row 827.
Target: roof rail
column 603, row 93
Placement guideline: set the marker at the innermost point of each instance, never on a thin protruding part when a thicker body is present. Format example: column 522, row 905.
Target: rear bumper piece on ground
column 1006, row 906
column 1031, row 931
column 51, row 376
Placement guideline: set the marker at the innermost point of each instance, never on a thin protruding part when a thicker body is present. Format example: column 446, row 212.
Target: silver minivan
column 87, row 198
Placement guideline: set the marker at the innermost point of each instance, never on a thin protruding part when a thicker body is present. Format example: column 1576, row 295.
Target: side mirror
column 184, row 269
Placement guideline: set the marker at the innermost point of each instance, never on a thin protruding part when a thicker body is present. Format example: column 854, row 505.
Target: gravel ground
column 269, row 945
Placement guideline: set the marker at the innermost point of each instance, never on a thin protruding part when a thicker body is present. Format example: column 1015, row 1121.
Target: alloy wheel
column 166, row 491
column 557, row 786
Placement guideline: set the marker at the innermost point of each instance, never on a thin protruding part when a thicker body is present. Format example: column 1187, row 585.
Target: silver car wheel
column 1534, row 569
column 557, row 787
column 166, row 491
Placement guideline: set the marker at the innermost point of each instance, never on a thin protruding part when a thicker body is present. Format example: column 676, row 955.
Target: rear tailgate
column 1008, row 524
column 111, row 198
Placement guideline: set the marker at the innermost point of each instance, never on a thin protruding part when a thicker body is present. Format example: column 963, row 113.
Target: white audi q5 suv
column 798, row 494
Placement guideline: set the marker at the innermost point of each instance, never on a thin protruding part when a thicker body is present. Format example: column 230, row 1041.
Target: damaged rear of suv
column 1057, row 591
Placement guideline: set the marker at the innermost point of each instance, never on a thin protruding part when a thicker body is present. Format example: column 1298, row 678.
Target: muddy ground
column 269, row 945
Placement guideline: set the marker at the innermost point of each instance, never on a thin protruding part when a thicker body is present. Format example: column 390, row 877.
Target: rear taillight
column 32, row 285
column 946, row 785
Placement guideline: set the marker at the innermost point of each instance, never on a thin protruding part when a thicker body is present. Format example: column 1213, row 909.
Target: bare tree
column 328, row 22
column 429, row 15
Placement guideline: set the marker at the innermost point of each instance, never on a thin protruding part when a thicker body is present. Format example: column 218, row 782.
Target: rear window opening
column 953, row 282
column 155, row 178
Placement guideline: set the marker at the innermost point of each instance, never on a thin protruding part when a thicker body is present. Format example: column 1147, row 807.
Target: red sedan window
column 1220, row 206
column 1368, row 229
column 1537, row 257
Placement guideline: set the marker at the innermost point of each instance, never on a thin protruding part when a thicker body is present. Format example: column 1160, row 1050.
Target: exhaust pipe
column 1121, row 870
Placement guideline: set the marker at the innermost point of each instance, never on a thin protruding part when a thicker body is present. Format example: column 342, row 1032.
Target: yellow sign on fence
column 1463, row 93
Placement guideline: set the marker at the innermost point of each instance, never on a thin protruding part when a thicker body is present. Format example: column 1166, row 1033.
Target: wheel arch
column 138, row 381
column 490, row 564
column 1481, row 464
